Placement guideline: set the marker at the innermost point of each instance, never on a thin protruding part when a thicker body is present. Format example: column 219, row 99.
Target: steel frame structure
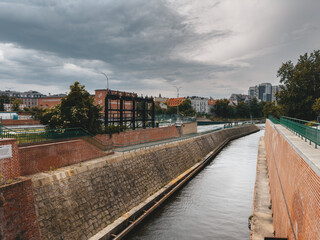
column 129, row 109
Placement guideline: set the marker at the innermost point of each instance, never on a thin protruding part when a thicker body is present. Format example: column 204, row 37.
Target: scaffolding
column 128, row 109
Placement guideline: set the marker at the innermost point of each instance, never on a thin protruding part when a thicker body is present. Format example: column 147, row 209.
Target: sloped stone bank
column 79, row 201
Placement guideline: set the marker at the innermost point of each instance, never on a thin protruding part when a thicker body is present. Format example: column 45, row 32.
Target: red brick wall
column 141, row 136
column 301, row 189
column 43, row 157
column 10, row 167
column 17, row 212
column 9, row 122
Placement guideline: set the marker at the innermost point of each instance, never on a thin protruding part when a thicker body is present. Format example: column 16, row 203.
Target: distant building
column 173, row 102
column 275, row 90
column 235, row 99
column 99, row 99
column 211, row 103
column 51, row 100
column 263, row 92
column 29, row 98
column 200, row 104
column 161, row 101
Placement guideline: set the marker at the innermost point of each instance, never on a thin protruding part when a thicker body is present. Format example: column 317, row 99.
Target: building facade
column 29, row 98
column 50, row 101
column 263, row 92
column 173, row 102
column 200, row 104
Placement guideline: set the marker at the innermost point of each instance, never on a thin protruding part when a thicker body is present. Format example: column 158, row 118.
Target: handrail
column 25, row 136
column 303, row 128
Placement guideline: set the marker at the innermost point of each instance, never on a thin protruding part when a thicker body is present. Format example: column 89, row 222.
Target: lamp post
column 107, row 79
column 178, row 100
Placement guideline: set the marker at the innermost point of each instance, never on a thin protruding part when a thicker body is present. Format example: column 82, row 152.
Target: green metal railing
column 30, row 136
column 308, row 130
column 274, row 120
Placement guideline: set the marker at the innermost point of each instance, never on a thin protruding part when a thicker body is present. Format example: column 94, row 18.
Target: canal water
column 215, row 204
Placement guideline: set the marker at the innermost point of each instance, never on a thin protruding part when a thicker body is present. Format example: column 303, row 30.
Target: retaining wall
column 48, row 156
column 17, row 211
column 131, row 137
column 294, row 185
column 78, row 201
column 10, row 122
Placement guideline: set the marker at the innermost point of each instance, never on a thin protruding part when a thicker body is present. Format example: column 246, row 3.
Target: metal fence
column 308, row 130
column 26, row 136
column 274, row 120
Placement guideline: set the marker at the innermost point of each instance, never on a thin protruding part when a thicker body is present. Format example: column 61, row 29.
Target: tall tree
column 242, row 110
column 222, row 109
column 301, row 85
column 76, row 110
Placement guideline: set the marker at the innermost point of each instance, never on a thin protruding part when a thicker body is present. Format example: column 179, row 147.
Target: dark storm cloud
column 136, row 38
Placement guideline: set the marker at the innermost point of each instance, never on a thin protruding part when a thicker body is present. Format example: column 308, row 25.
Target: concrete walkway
column 262, row 222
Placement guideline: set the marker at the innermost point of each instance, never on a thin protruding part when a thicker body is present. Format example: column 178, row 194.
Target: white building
column 200, row 104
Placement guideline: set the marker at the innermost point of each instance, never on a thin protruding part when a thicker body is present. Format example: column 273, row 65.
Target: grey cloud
column 135, row 37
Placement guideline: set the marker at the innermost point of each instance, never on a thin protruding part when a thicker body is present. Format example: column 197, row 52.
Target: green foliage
column 256, row 108
column 316, row 106
column 36, row 113
column 301, row 86
column 16, row 104
column 3, row 99
column 270, row 108
column 223, row 109
column 76, row 110
column 185, row 109
column 242, row 110
column 158, row 110
column 114, row 129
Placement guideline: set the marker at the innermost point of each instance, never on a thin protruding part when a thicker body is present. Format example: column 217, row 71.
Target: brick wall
column 131, row 137
column 11, row 122
column 10, row 167
column 78, row 203
column 300, row 185
column 43, row 157
column 17, row 212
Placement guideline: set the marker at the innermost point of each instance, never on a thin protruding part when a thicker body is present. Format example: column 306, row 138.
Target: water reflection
column 215, row 204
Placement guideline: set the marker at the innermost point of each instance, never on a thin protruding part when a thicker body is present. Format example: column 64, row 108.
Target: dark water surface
column 215, row 204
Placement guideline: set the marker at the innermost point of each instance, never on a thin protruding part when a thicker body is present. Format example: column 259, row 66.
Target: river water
column 215, row 204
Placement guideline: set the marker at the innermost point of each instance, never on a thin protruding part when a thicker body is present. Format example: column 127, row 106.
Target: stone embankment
column 78, row 201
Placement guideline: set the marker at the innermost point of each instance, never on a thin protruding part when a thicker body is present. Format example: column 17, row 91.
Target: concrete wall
column 17, row 212
column 78, row 201
column 138, row 136
column 188, row 128
column 294, row 184
column 48, row 156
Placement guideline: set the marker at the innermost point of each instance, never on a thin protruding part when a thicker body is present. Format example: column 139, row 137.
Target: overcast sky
column 207, row 47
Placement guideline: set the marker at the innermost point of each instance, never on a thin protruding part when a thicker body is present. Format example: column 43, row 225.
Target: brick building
column 50, row 101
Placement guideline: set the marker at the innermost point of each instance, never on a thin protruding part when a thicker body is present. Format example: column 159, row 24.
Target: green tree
column 16, row 104
column 77, row 109
column 242, row 110
column 316, row 107
column 222, row 109
column 255, row 109
column 270, row 108
column 301, row 86
column 186, row 109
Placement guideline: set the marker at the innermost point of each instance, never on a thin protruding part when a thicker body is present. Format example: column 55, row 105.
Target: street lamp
column 107, row 79
column 178, row 100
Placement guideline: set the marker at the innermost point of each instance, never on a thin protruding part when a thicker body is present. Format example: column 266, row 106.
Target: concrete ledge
column 261, row 221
